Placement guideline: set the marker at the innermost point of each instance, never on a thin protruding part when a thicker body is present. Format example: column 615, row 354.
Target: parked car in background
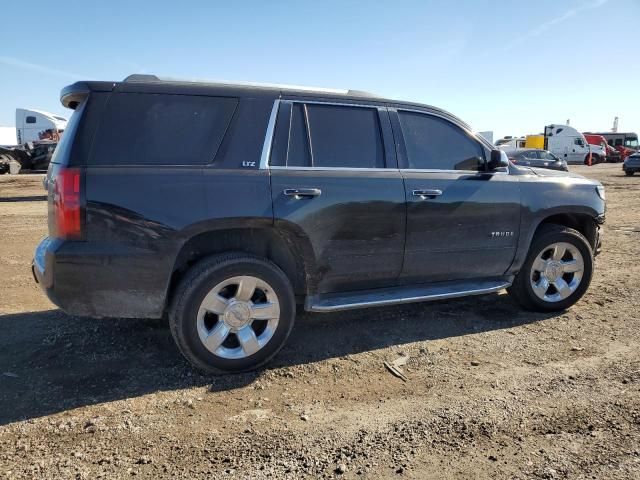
column 534, row 157
column 30, row 157
column 40, row 155
column 611, row 154
column 631, row 164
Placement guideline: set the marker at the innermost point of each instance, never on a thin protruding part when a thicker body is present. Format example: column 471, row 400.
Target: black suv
column 227, row 206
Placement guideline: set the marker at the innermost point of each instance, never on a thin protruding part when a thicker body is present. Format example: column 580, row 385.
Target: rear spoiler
column 72, row 95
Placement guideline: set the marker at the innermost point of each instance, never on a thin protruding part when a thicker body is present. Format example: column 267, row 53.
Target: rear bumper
column 93, row 280
column 631, row 167
column 42, row 266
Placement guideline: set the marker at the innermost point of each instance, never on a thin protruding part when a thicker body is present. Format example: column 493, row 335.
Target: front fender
column 554, row 200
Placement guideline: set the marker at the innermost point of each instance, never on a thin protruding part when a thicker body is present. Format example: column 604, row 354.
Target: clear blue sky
column 507, row 66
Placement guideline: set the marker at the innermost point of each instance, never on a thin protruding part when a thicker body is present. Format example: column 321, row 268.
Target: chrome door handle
column 429, row 192
column 302, row 192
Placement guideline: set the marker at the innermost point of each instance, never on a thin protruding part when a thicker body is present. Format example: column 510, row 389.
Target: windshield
column 631, row 142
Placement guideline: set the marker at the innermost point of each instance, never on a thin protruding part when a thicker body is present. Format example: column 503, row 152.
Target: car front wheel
column 232, row 313
column 557, row 271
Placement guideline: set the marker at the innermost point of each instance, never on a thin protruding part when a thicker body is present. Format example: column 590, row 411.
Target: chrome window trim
column 268, row 140
column 458, row 172
column 341, row 169
column 339, row 104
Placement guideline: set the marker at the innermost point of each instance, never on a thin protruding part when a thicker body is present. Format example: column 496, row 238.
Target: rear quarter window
column 158, row 129
column 62, row 153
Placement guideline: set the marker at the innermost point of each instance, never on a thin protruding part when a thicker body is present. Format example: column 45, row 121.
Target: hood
column 545, row 172
column 562, row 177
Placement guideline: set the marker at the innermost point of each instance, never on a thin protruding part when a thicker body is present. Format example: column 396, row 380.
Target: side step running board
column 331, row 302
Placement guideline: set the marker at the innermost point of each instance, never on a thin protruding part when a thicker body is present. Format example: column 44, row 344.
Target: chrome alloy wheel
column 238, row 317
column 556, row 272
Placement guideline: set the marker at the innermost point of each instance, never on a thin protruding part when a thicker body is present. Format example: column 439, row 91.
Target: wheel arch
column 291, row 253
column 582, row 222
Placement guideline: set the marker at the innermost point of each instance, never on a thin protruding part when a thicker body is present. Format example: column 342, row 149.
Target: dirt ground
column 492, row 391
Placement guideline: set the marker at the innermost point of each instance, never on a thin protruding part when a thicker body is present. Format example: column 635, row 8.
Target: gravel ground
column 492, row 391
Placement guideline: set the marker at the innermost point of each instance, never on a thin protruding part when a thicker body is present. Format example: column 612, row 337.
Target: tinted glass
column 298, row 154
column 280, row 143
column 63, row 150
column 532, row 154
column 31, row 119
column 434, row 143
column 344, row 136
column 146, row 129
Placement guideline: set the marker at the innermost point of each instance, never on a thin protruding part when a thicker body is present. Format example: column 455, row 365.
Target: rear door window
column 153, row 129
column 343, row 136
column 434, row 143
column 327, row 136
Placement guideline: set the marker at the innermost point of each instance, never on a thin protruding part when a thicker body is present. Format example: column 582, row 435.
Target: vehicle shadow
column 32, row 198
column 51, row 362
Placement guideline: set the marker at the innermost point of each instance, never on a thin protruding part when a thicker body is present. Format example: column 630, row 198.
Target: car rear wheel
column 232, row 313
column 557, row 271
column 629, row 173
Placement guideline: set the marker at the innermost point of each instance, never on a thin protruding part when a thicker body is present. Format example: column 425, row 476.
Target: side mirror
column 498, row 159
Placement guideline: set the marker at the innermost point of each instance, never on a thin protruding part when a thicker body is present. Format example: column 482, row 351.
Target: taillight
column 67, row 203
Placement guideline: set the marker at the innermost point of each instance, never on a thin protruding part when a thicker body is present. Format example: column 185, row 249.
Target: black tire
column 199, row 281
column 521, row 289
column 629, row 173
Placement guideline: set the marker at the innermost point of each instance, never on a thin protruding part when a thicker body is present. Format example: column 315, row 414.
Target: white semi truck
column 35, row 125
column 30, row 146
column 569, row 144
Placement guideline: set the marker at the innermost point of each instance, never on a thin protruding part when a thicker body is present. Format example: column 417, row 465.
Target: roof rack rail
column 143, row 77
column 361, row 93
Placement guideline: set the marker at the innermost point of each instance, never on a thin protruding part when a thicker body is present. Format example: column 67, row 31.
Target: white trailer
column 8, row 136
column 34, row 125
column 509, row 143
